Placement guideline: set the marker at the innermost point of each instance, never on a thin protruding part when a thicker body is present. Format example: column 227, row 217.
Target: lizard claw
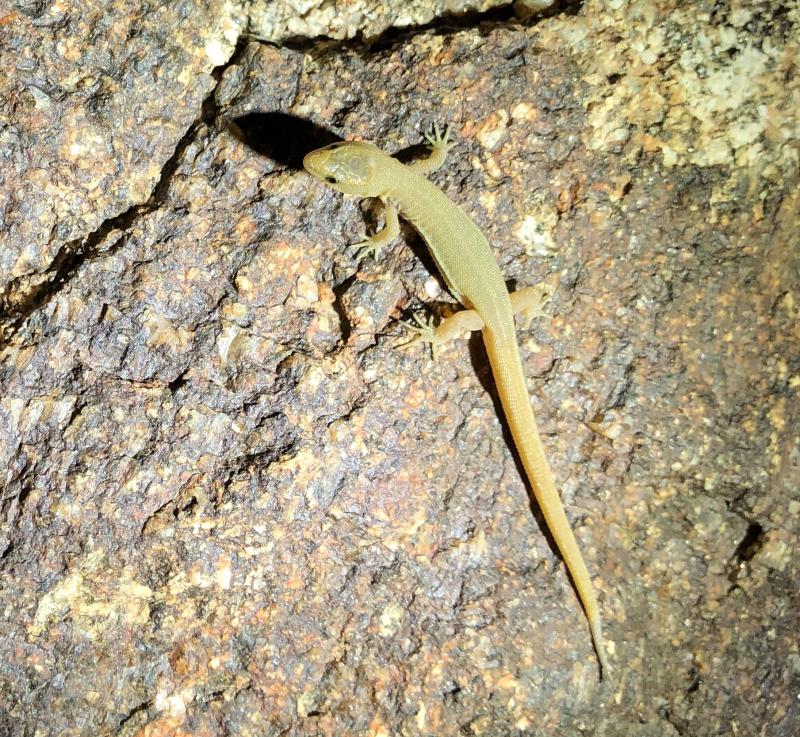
column 536, row 298
column 365, row 248
column 439, row 140
column 423, row 331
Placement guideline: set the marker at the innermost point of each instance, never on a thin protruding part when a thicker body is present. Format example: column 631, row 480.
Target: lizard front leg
column 440, row 144
column 390, row 231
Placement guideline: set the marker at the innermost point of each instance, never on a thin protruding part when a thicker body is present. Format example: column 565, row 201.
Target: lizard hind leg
column 526, row 302
column 424, row 331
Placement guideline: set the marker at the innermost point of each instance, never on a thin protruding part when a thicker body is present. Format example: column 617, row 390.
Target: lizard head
column 347, row 166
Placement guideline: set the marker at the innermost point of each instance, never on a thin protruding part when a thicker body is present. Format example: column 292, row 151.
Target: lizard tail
column 507, row 369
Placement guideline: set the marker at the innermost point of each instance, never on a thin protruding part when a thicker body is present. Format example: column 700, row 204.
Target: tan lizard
column 471, row 272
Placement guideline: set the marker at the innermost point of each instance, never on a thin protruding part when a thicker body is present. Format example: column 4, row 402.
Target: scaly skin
column 466, row 261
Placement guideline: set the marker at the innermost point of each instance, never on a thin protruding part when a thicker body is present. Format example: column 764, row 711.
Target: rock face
column 287, row 21
column 92, row 103
column 232, row 507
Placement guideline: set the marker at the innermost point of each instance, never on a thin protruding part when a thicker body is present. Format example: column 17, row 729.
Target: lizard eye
column 330, row 180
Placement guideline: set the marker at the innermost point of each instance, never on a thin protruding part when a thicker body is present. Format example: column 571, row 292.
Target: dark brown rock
column 233, row 507
column 93, row 101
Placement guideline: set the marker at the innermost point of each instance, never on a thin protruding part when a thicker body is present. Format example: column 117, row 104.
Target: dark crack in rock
column 93, row 100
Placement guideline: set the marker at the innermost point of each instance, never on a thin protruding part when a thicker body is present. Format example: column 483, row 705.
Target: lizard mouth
column 318, row 161
column 314, row 163
column 321, row 165
column 345, row 166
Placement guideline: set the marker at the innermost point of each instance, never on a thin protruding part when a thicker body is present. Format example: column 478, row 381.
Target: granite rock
column 231, row 506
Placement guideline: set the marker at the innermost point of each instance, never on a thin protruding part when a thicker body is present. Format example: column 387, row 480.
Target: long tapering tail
column 507, row 369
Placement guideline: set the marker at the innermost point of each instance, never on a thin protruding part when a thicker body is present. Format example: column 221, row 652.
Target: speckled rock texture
column 282, row 21
column 94, row 98
column 232, row 507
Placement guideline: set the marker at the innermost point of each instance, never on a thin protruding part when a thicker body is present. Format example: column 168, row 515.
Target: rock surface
column 282, row 21
column 232, row 507
column 92, row 105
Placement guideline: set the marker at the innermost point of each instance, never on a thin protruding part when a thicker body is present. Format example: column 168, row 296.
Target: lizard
column 465, row 259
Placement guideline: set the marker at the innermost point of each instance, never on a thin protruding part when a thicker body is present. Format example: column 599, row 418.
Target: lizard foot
column 529, row 303
column 440, row 141
column 365, row 248
column 423, row 331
